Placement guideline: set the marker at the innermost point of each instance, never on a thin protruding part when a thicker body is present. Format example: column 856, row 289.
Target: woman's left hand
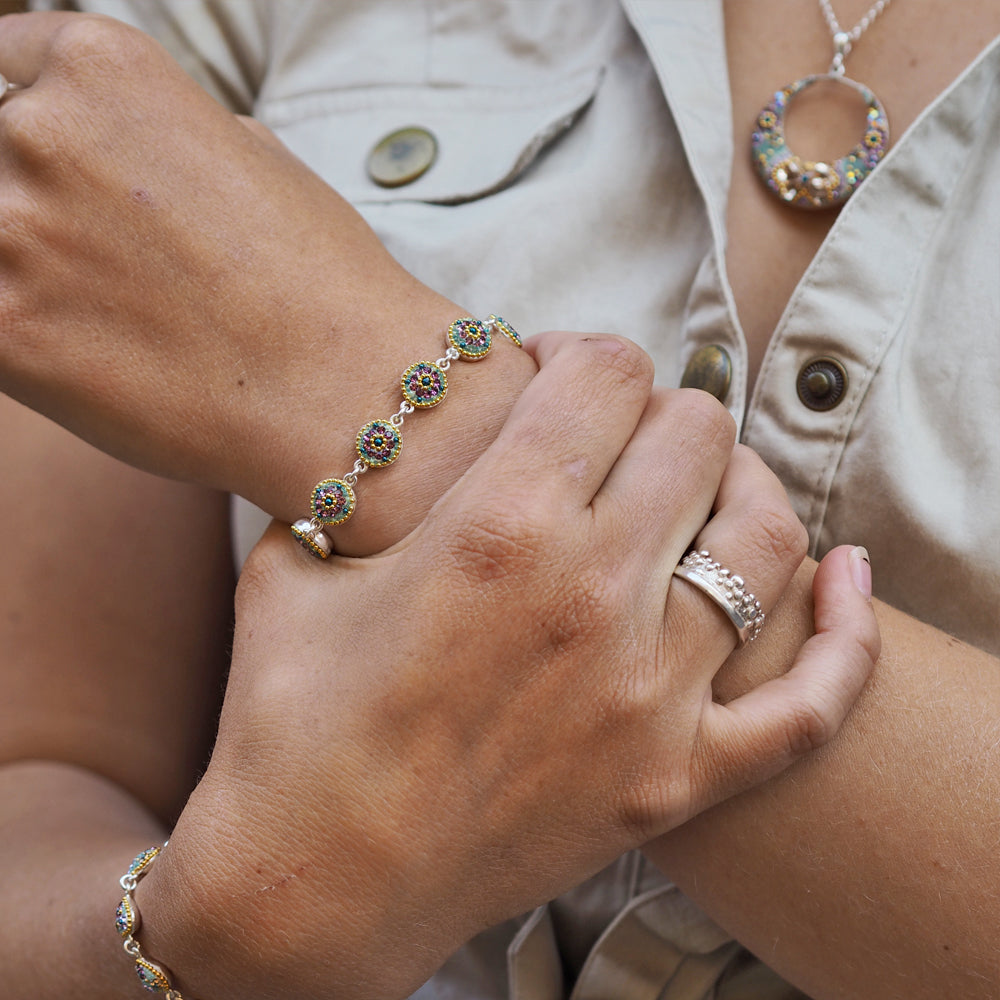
column 182, row 292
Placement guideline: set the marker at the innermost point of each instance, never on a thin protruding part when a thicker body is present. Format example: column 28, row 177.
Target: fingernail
column 861, row 570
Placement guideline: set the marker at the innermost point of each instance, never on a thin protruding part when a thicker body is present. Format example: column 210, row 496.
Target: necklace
column 815, row 184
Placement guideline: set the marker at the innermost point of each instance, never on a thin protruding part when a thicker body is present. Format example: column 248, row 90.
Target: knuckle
column 706, row 419
column 92, row 45
column 32, row 132
column 88, row 55
column 622, row 361
column 807, row 728
column 779, row 534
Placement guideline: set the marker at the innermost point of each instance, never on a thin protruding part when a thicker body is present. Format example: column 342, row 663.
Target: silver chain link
column 843, row 41
column 861, row 27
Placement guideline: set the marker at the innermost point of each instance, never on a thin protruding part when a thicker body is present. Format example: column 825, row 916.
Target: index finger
column 571, row 423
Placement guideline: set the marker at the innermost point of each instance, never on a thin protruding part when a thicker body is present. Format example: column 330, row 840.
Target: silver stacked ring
column 727, row 590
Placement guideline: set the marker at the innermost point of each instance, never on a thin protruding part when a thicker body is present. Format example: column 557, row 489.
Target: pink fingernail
column 861, row 570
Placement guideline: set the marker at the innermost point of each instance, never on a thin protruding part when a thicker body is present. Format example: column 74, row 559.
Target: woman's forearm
column 197, row 302
column 870, row 870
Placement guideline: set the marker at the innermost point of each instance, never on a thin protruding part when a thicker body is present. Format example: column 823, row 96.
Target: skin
column 356, row 775
column 370, row 790
column 106, row 221
column 879, row 880
column 826, row 946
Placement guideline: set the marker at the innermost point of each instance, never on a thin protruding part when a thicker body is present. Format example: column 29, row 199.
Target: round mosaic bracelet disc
column 126, row 918
column 143, row 860
column 812, row 184
column 151, row 976
column 505, row 328
column 378, row 443
column 470, row 338
column 424, row 384
column 332, row 501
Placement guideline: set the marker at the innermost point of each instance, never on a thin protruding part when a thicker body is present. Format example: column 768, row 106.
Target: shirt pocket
column 486, row 137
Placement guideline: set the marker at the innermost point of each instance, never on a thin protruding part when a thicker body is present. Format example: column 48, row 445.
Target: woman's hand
column 442, row 736
column 179, row 290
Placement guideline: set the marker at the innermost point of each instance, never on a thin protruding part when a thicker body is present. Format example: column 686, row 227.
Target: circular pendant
column 815, row 184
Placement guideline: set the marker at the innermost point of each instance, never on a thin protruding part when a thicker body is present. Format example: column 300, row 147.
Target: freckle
column 240, row 382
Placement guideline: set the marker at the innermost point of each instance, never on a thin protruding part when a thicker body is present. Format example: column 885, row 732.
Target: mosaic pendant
column 312, row 540
column 142, row 861
column 815, row 184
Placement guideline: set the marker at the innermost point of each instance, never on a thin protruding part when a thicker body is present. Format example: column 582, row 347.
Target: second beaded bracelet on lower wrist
column 152, row 975
column 379, row 442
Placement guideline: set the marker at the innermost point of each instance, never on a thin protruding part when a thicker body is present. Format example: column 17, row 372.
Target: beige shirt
column 585, row 150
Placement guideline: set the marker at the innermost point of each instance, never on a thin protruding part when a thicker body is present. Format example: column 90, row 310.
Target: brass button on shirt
column 581, row 177
column 710, row 369
column 402, row 156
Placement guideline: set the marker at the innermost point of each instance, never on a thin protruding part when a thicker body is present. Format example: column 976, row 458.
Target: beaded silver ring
column 728, row 591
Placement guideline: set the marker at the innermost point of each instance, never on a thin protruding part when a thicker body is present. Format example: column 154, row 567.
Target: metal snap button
column 822, row 383
column 402, row 156
column 710, row 368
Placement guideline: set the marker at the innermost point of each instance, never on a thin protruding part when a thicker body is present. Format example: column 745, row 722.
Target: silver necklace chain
column 843, row 41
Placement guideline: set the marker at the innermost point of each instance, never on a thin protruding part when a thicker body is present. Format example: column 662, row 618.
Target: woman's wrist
column 306, row 434
column 233, row 913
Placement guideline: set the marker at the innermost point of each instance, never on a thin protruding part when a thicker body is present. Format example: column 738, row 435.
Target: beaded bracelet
column 152, row 976
column 379, row 442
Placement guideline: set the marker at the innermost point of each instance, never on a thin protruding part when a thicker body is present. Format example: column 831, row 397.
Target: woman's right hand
column 417, row 745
